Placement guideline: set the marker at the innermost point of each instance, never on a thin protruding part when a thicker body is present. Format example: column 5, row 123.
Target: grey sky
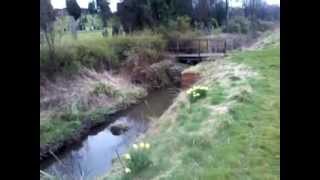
column 82, row 3
column 113, row 3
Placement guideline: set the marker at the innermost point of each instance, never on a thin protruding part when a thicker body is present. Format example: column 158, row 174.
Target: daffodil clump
column 197, row 92
column 138, row 158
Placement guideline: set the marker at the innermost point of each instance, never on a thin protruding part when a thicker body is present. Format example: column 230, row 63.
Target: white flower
column 127, row 170
column 147, row 145
column 135, row 146
column 141, row 145
column 127, row 156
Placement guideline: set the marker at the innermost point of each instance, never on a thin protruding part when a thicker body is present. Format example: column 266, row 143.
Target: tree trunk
column 50, row 41
column 74, row 26
column 227, row 11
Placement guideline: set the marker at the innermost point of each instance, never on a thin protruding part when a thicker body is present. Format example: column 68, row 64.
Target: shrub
column 183, row 24
column 69, row 58
column 62, row 60
column 99, row 53
column 196, row 93
column 215, row 23
column 237, row 24
column 105, row 32
column 122, row 46
column 264, row 25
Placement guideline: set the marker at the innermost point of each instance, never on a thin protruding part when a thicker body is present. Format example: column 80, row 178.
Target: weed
column 105, row 89
column 196, row 93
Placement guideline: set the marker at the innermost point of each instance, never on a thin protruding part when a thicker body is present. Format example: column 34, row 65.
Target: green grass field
column 83, row 36
column 232, row 134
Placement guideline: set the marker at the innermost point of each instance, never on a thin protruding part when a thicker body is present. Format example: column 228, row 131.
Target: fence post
column 178, row 46
column 225, row 46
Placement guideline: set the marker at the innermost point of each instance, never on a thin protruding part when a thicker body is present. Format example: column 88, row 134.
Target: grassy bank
column 66, row 104
column 232, row 133
column 75, row 83
column 94, row 51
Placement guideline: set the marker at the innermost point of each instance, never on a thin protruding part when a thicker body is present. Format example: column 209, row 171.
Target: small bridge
column 197, row 49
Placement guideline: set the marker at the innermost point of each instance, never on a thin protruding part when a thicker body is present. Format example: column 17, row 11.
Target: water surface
column 94, row 156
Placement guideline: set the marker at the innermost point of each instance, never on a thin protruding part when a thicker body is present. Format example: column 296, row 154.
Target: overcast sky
column 113, row 3
column 82, row 3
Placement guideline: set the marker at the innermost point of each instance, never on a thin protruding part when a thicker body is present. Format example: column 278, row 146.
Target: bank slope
column 233, row 133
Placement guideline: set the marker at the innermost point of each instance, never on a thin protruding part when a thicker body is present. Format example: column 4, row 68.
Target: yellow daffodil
column 135, row 146
column 141, row 145
column 127, row 156
column 127, row 170
column 147, row 145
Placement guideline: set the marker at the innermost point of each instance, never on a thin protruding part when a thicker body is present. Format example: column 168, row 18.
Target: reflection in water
column 94, row 157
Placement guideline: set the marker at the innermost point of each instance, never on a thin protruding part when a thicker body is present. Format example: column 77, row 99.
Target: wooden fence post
column 178, row 45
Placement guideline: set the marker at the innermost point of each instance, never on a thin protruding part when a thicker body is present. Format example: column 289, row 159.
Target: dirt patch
column 156, row 75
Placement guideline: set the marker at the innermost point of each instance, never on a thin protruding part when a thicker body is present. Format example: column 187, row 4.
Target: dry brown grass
column 64, row 93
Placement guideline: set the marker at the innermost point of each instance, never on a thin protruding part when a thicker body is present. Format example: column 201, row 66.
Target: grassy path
column 233, row 133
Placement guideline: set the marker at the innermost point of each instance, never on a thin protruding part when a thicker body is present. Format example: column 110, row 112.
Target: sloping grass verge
column 233, row 133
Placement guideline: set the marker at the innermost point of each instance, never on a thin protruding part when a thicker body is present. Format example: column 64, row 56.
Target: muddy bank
column 77, row 136
column 96, row 153
column 167, row 73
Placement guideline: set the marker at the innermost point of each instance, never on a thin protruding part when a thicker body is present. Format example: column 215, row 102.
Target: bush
column 105, row 32
column 264, row 25
column 122, row 46
column 215, row 23
column 183, row 24
column 68, row 59
column 196, row 93
column 238, row 24
column 62, row 60
column 98, row 53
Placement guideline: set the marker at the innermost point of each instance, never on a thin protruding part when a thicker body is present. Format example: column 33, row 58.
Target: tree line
column 134, row 15
column 140, row 14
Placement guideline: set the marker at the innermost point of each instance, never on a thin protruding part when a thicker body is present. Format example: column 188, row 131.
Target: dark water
column 94, row 156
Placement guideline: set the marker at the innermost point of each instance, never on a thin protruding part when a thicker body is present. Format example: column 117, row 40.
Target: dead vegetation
column 85, row 92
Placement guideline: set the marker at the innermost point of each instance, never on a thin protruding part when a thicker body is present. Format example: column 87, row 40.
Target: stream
column 94, row 156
